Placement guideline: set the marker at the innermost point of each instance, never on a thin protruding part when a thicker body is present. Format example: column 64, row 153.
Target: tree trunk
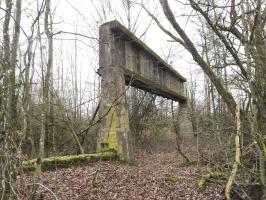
column 227, row 96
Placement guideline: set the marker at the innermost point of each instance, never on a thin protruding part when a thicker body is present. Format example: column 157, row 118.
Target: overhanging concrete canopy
column 143, row 68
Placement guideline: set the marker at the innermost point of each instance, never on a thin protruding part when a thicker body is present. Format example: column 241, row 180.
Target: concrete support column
column 185, row 125
column 114, row 132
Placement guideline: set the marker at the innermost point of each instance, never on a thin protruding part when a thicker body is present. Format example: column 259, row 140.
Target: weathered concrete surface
column 125, row 60
column 143, row 68
column 114, row 130
column 185, row 125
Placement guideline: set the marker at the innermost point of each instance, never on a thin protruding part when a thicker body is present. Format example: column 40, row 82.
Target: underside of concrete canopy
column 125, row 60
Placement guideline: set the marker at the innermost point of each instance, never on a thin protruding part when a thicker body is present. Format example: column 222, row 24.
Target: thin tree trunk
column 5, row 183
column 12, row 97
column 48, row 76
column 45, row 98
column 230, row 181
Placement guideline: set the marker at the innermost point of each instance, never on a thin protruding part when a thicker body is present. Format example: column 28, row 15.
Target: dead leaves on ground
column 158, row 177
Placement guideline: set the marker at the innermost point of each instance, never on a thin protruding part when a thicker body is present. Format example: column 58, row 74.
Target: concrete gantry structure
column 125, row 60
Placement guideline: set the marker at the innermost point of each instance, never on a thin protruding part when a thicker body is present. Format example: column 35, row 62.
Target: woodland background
column 49, row 88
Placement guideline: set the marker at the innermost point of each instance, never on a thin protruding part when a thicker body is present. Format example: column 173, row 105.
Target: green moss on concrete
column 67, row 161
column 211, row 176
column 112, row 123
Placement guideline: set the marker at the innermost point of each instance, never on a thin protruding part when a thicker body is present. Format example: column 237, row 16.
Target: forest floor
column 157, row 176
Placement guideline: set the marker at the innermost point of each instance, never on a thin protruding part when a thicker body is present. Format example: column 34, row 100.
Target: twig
column 46, row 189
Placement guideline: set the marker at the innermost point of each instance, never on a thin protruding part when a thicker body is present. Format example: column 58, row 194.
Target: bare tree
column 233, row 30
column 45, row 95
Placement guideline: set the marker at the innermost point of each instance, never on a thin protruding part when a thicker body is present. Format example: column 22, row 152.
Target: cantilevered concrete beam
column 125, row 60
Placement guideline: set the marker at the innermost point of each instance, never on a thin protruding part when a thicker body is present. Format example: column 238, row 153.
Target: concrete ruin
column 125, row 60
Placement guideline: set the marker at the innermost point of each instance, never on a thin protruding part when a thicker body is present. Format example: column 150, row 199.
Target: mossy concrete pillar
column 114, row 132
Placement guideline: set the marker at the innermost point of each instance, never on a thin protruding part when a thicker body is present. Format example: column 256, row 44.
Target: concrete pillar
column 114, row 132
column 185, row 125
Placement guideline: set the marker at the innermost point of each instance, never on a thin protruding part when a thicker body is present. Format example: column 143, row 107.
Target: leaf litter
column 159, row 176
